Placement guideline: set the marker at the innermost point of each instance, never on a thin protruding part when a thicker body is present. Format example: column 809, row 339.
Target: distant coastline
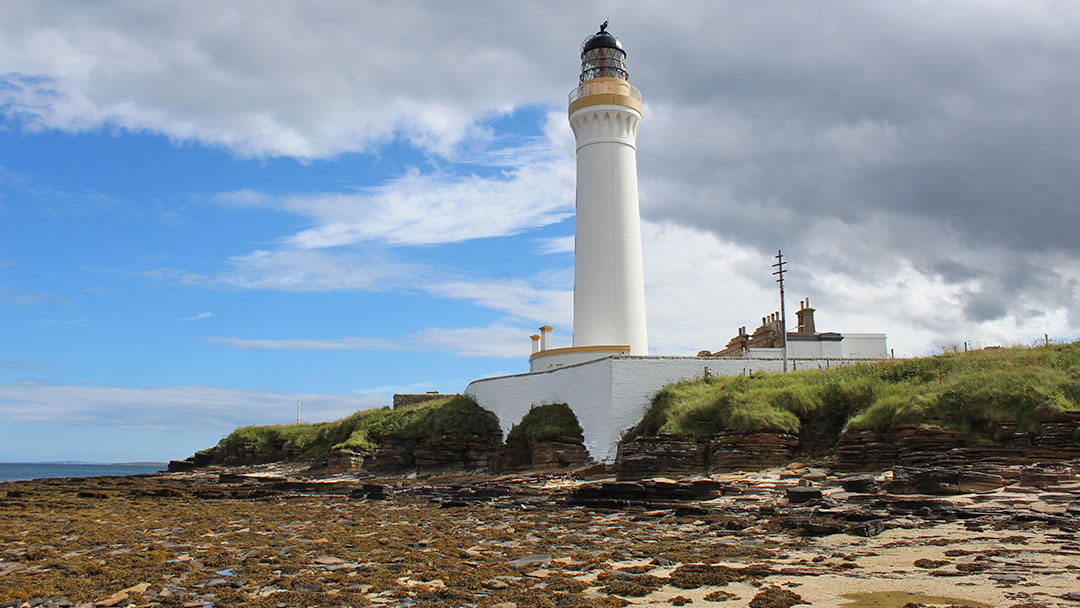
column 22, row 471
column 141, row 463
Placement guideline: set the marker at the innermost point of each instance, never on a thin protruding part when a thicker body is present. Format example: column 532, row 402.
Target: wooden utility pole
column 779, row 266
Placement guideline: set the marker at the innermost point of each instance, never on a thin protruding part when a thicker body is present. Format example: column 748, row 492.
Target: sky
column 210, row 212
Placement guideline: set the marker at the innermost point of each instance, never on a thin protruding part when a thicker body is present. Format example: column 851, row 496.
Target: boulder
column 803, row 494
column 867, row 528
column 923, row 481
column 860, row 484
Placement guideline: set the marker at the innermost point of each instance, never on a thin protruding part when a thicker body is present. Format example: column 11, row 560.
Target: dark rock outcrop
column 915, row 446
column 653, row 493
column 1057, row 439
column 445, row 453
column 802, row 494
column 559, row 451
column 669, row 454
column 750, row 451
column 860, row 484
column 942, row 481
column 685, row 455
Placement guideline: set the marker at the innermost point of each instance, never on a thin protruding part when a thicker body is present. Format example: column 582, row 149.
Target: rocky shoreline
column 277, row 536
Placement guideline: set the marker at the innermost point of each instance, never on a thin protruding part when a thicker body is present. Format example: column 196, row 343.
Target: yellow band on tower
column 605, row 91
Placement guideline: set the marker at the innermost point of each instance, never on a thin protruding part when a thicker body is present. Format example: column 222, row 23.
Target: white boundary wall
column 610, row 395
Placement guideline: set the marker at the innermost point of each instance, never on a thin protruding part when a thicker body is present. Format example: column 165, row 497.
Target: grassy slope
column 545, row 422
column 964, row 391
column 450, row 417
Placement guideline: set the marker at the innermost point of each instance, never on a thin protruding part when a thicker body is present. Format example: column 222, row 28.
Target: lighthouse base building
column 610, row 394
column 608, row 377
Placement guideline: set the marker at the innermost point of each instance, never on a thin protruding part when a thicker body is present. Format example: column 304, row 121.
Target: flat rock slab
column 802, row 494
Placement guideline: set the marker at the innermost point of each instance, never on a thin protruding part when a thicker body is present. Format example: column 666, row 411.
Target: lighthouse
column 607, row 378
column 609, row 282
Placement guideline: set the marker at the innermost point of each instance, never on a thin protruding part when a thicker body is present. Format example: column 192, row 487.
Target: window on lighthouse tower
column 603, row 63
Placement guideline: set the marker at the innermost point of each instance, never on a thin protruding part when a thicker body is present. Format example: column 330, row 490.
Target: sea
column 18, row 471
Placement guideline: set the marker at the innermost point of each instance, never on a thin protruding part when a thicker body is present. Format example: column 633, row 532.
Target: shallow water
column 17, row 471
column 897, row 599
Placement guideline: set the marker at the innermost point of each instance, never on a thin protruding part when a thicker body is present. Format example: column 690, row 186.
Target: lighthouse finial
column 603, row 26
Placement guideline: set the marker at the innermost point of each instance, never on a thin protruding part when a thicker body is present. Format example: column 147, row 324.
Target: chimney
column 806, row 318
column 535, row 343
column 545, row 337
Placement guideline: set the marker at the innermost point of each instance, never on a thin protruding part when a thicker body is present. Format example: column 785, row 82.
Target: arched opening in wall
column 549, row 436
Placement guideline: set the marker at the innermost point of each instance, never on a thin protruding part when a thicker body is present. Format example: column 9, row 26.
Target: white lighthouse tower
column 609, row 283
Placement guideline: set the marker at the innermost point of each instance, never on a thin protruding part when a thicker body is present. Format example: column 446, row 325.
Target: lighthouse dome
column 602, row 40
column 603, row 56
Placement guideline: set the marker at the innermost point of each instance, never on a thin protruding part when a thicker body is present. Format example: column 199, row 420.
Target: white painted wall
column 543, row 363
column 609, row 279
column 806, row 349
column 853, row 346
column 864, row 345
column 586, row 388
column 609, row 395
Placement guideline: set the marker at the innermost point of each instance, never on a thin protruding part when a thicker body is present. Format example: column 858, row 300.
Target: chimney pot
column 806, row 318
column 545, row 337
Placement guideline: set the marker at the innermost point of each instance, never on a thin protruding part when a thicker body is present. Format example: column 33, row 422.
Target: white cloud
column 347, row 343
column 418, row 209
column 534, row 187
column 700, row 289
column 495, row 340
column 350, row 76
column 197, row 317
column 292, row 270
column 536, row 299
column 169, row 407
column 891, row 158
column 559, row 244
